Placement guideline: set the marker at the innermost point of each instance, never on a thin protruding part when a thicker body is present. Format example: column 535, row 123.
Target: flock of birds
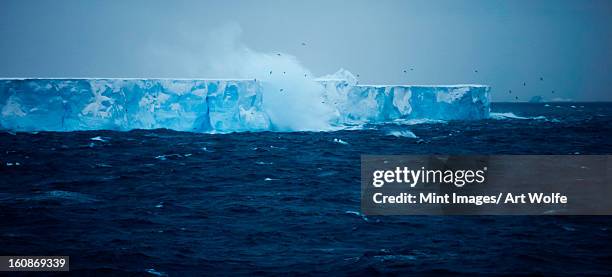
column 406, row 71
column 525, row 84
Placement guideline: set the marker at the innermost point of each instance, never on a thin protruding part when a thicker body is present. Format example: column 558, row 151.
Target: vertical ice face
column 124, row 104
column 385, row 103
column 236, row 106
column 216, row 105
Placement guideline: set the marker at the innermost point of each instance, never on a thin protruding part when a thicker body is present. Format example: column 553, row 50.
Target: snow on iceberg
column 199, row 105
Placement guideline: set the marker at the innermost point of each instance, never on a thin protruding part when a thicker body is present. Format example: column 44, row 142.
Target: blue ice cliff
column 199, row 105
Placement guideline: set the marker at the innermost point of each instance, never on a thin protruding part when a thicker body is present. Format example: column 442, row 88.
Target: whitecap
column 99, row 138
column 350, row 126
column 418, row 121
column 152, row 271
column 568, row 228
column 165, row 157
column 276, row 147
column 509, row 115
column 500, row 116
column 402, row 133
column 385, row 258
column 327, row 173
column 337, row 140
column 66, row 195
column 365, row 218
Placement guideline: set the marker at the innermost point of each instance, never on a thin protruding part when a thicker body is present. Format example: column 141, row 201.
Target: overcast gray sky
column 509, row 42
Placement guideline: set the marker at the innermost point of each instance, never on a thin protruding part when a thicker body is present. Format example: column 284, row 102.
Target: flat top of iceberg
column 426, row 86
column 101, row 78
column 237, row 79
column 403, row 85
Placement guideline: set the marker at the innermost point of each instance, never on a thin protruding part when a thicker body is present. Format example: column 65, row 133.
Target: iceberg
column 384, row 103
column 201, row 105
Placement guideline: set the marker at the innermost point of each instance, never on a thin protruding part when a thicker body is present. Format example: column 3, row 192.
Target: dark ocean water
column 163, row 202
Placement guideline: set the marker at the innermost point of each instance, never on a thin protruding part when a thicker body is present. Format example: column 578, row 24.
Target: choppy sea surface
column 160, row 202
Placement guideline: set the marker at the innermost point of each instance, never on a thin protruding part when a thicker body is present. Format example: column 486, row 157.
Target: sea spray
column 292, row 98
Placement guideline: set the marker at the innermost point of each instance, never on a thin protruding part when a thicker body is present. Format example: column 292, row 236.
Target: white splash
column 292, row 98
column 402, row 133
